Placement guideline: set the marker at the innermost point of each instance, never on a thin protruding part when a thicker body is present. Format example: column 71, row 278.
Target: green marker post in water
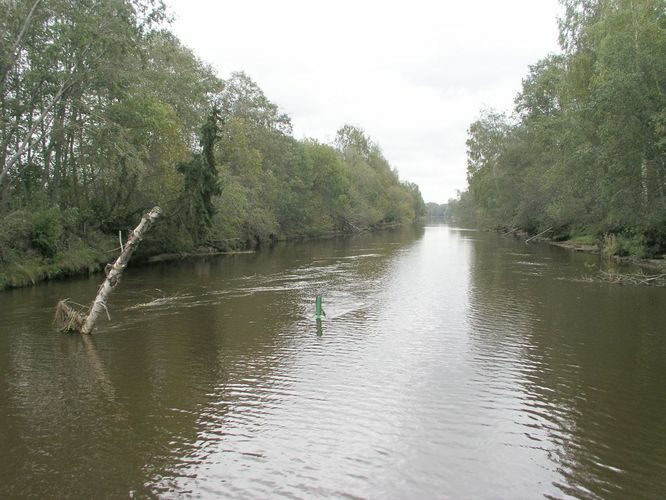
column 319, row 310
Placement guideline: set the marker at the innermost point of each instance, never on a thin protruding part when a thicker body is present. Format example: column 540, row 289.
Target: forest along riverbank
column 582, row 152
column 450, row 363
column 217, row 155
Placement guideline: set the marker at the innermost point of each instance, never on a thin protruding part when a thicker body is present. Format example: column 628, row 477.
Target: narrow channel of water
column 451, row 363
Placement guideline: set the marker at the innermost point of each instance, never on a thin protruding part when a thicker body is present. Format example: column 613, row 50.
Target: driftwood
column 537, row 235
column 353, row 226
column 637, row 279
column 70, row 320
column 633, row 279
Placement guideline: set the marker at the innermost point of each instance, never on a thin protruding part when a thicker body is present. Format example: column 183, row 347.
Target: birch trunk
column 116, row 270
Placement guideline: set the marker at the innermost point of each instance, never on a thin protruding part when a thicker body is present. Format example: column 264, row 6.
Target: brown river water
column 451, row 364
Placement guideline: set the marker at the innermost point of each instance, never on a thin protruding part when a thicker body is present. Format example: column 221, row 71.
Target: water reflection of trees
column 132, row 406
column 251, row 344
column 589, row 360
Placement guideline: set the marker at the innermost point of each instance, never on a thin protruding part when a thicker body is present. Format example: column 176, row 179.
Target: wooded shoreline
column 27, row 277
column 85, row 149
column 583, row 150
column 658, row 265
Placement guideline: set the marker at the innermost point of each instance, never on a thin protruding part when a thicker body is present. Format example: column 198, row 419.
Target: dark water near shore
column 451, row 363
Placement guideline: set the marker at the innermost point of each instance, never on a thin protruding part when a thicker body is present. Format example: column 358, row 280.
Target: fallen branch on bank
column 68, row 319
column 537, row 235
column 633, row 279
column 353, row 226
column 636, row 279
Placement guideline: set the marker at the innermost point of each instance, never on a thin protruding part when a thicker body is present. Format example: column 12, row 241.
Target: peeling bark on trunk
column 116, row 271
column 113, row 274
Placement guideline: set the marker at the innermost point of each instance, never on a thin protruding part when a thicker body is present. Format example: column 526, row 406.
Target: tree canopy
column 584, row 151
column 104, row 113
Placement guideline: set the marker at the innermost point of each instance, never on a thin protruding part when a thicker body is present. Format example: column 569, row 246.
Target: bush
column 624, row 245
column 15, row 231
column 655, row 234
column 47, row 232
column 584, row 239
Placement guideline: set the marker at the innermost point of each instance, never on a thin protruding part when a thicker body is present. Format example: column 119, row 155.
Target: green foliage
column 243, row 99
column 47, row 243
column 104, row 114
column 584, row 239
column 624, row 245
column 201, row 183
column 455, row 211
column 15, row 231
column 376, row 195
column 437, row 210
column 461, row 210
column 46, row 232
column 584, row 151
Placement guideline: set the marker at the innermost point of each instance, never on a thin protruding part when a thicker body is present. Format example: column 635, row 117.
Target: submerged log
column 67, row 319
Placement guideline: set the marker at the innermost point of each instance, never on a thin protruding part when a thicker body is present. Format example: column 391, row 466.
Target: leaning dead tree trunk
column 537, row 235
column 70, row 320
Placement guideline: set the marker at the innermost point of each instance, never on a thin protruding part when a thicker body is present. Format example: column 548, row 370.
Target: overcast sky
column 413, row 74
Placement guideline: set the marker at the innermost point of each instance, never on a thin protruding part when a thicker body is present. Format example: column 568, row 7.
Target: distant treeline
column 442, row 211
column 104, row 113
column 584, row 152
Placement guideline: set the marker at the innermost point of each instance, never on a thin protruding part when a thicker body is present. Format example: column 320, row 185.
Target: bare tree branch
column 12, row 52
column 31, row 137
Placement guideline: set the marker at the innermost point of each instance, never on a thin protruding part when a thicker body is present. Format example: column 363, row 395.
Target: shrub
column 623, row 245
column 47, row 232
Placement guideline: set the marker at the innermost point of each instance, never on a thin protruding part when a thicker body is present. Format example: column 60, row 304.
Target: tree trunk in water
column 116, row 270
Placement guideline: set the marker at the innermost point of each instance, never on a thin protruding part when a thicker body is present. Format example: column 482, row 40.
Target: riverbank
column 593, row 246
column 323, row 235
column 572, row 245
column 83, row 258
column 79, row 259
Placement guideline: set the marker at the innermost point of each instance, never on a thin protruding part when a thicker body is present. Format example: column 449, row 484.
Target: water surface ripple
column 451, row 364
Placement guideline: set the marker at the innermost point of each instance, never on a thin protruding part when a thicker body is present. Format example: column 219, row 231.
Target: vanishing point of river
column 451, row 364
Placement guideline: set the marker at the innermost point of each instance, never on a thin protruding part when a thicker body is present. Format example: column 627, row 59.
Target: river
column 451, row 364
